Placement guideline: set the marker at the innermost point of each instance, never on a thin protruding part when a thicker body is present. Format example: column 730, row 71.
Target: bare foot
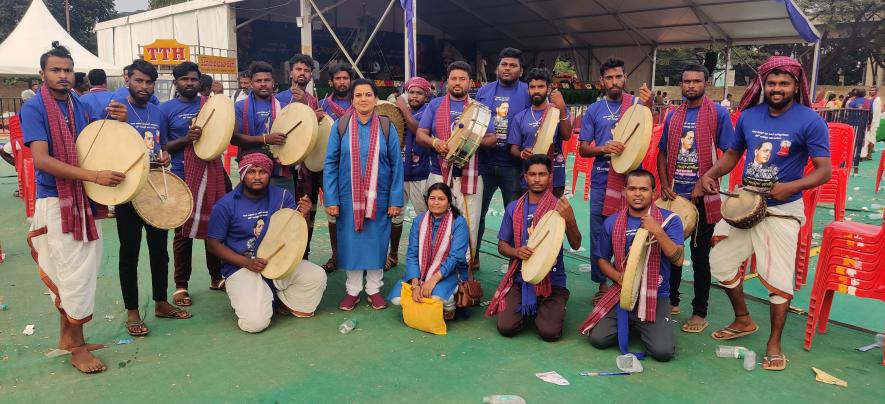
column 89, row 347
column 85, row 362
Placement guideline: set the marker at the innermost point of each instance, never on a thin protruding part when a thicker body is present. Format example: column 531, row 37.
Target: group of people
column 368, row 177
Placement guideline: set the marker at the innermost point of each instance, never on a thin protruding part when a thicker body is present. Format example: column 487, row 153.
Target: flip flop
column 694, row 328
column 181, row 301
column 173, row 314
column 217, row 286
column 140, row 324
column 767, row 359
column 674, row 311
column 732, row 333
column 391, row 262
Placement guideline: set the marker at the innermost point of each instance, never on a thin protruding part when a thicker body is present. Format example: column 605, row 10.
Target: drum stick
column 631, row 133
column 540, row 240
column 277, row 250
column 151, row 183
column 131, row 165
column 98, row 132
column 211, row 112
column 165, row 183
column 293, row 128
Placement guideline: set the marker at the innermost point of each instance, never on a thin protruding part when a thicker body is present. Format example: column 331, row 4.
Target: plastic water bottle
column 880, row 339
column 749, row 360
column 347, row 326
column 503, row 399
column 728, row 351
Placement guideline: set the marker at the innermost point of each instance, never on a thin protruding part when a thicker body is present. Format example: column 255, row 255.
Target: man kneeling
column 651, row 314
column 237, row 226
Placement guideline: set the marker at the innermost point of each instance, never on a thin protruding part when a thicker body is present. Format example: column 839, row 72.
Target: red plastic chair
column 16, row 138
column 582, row 165
column 651, row 156
column 230, row 153
column 803, row 250
column 30, row 192
column 880, row 171
column 835, row 190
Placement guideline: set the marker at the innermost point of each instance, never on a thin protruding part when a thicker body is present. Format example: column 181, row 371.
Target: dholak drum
column 468, row 133
column 634, row 269
column 165, row 202
column 546, row 132
column 634, row 131
column 546, row 241
column 686, row 211
column 744, row 208
column 284, row 243
column 299, row 123
column 116, row 146
column 316, row 158
column 392, row 112
column 217, row 120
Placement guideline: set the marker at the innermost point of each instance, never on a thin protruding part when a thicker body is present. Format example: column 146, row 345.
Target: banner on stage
column 217, row 64
column 166, row 52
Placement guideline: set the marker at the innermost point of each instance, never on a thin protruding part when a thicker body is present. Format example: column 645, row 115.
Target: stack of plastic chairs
column 24, row 166
column 835, row 190
column 582, row 165
column 851, row 262
column 651, row 156
column 803, row 250
column 880, row 171
column 570, row 146
column 17, row 141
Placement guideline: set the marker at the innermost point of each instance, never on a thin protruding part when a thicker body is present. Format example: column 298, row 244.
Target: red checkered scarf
column 309, row 100
column 442, row 127
column 275, row 108
column 336, row 109
column 364, row 186
column 76, row 214
column 205, row 179
column 253, row 159
column 614, row 186
column 754, row 94
column 546, row 204
column 432, row 252
column 705, row 136
column 651, row 278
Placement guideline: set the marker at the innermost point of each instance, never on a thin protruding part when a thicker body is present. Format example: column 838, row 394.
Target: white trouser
column 473, row 205
column 413, row 192
column 70, row 266
column 252, row 299
column 869, row 138
column 354, row 282
column 448, row 304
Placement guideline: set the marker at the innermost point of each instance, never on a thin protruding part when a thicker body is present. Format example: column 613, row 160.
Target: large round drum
column 546, row 132
column 165, row 202
column 634, row 131
column 217, row 120
column 116, row 146
column 546, row 241
column 299, row 123
column 634, row 269
column 468, row 133
column 392, row 112
column 683, row 208
column 744, row 210
column 316, row 158
column 284, row 243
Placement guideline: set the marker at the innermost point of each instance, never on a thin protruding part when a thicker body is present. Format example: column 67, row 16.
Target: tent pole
column 815, row 66
column 654, row 65
column 375, row 31
column 306, row 30
column 725, row 76
column 337, row 41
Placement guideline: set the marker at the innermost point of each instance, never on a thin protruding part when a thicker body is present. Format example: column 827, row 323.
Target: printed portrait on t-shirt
column 252, row 244
column 502, row 108
column 150, row 142
column 686, row 160
column 761, row 173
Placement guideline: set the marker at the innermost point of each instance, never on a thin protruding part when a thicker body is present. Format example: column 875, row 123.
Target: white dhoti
column 413, row 192
column 252, row 299
column 774, row 241
column 68, row 267
column 473, row 202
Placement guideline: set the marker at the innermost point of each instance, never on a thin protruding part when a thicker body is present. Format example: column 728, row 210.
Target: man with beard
column 524, row 127
column 692, row 133
column 206, row 179
column 335, row 105
column 597, row 127
column 784, row 115
column 442, row 113
column 255, row 116
column 244, row 86
column 416, row 161
column 150, row 123
column 123, row 91
column 506, row 97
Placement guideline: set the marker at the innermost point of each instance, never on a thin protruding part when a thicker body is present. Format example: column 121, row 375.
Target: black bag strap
column 384, row 122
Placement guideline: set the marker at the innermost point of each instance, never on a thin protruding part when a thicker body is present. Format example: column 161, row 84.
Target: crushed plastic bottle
column 503, row 399
column 749, row 360
column 728, row 351
column 347, row 326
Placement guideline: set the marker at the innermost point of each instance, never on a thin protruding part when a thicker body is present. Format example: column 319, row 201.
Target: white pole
column 306, row 29
column 654, row 65
column 814, row 70
column 725, row 76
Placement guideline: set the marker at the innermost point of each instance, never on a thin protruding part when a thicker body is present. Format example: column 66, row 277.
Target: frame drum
column 546, row 240
column 217, row 120
column 166, row 202
column 300, row 125
column 284, row 243
column 634, row 130
column 316, row 158
column 113, row 145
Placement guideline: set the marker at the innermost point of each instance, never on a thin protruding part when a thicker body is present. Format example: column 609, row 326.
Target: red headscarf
column 754, row 95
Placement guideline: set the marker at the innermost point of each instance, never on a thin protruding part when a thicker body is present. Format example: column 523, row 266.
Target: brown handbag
column 469, row 291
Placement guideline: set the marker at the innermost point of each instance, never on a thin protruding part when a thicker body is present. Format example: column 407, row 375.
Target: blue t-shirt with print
column 179, row 115
column 687, row 164
column 597, row 126
column 416, row 158
column 523, row 129
column 150, row 124
column 603, row 246
column 505, row 233
column 504, row 102
column 456, row 108
column 778, row 147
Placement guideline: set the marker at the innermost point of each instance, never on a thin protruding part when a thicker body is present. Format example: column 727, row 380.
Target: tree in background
column 152, row 4
column 84, row 15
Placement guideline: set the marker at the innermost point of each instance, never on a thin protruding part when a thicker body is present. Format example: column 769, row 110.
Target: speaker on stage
column 710, row 60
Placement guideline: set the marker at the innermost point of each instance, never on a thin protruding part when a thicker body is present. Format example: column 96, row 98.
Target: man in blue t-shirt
column 65, row 236
column 337, row 103
column 123, row 91
column 416, row 161
column 98, row 97
column 692, row 134
column 609, row 324
column 239, row 223
column 524, row 126
column 505, row 97
column 778, row 135
column 516, row 298
column 597, row 128
column 149, row 122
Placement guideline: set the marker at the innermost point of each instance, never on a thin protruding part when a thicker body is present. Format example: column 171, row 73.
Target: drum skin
column 216, row 133
column 116, row 146
column 316, row 158
column 164, row 213
column 546, row 132
column 634, row 129
column 546, row 240
column 299, row 123
column 686, row 210
column 283, row 244
column 633, row 270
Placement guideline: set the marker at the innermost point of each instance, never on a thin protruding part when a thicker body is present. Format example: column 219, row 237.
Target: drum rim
column 176, row 179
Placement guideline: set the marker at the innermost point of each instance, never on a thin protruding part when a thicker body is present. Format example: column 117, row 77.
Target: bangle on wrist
column 264, row 139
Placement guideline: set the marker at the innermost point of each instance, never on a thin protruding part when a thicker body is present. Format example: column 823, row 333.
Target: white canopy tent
column 34, row 35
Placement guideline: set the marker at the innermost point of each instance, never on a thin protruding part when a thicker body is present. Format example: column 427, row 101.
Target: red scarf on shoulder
column 205, row 179
column 442, row 128
column 614, row 185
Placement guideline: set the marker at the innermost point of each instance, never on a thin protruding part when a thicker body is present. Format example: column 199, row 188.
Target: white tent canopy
column 34, row 35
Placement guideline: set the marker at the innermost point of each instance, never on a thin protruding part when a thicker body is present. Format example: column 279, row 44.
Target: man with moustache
column 244, row 85
column 687, row 149
column 205, row 179
column 597, row 127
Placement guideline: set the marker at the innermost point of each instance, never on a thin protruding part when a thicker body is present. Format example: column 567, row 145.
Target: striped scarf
column 364, row 186
column 754, row 94
column 249, row 111
column 615, row 182
column 530, row 292
column 336, row 109
column 442, row 127
column 705, row 136
column 205, row 179
column 432, row 252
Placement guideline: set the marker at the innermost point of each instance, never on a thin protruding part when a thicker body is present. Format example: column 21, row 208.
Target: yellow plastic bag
column 426, row 315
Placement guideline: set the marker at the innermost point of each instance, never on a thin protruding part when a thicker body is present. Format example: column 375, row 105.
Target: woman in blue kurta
column 435, row 262
column 363, row 201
